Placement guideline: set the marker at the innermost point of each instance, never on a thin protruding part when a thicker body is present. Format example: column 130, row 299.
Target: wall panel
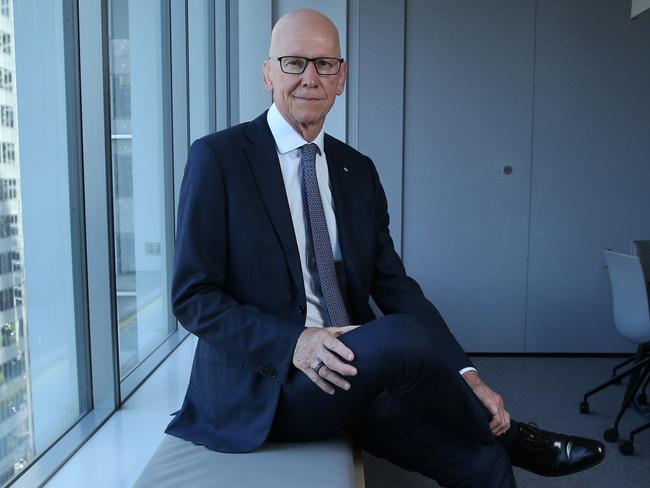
column 468, row 96
column 380, row 104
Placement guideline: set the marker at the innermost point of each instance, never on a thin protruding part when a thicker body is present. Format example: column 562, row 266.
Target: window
column 10, row 262
column 6, row 79
column 6, row 116
column 55, row 302
column 139, row 142
column 7, row 299
column 8, row 225
column 13, row 368
column 5, row 263
column 5, row 42
column 43, row 361
column 11, row 403
column 9, row 334
column 7, row 189
column 7, row 152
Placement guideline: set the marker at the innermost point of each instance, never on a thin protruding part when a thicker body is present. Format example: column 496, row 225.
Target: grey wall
column 591, row 167
column 378, row 72
column 448, row 94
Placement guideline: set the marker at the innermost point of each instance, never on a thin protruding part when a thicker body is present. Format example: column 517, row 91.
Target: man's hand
column 492, row 401
column 320, row 344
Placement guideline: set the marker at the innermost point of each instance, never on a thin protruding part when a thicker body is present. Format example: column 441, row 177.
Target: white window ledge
column 118, row 452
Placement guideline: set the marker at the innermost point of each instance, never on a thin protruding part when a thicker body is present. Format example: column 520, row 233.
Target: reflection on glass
column 42, row 384
column 16, row 426
column 136, row 82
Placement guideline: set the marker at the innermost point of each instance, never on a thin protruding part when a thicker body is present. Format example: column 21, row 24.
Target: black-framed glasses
column 296, row 65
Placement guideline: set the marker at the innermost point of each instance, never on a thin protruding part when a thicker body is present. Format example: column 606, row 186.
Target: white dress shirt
column 287, row 144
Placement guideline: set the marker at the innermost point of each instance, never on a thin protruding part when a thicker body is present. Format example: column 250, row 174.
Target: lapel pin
column 345, row 168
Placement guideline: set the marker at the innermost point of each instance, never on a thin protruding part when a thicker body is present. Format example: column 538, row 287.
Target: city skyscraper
column 16, row 422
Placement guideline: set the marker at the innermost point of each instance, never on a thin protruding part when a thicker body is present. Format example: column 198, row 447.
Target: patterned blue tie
column 319, row 238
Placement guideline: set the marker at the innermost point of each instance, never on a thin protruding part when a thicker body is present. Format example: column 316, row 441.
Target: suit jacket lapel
column 265, row 166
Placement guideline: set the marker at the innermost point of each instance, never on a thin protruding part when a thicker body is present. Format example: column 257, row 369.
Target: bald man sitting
column 282, row 239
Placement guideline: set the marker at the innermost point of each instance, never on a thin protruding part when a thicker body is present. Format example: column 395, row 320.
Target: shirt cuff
column 465, row 370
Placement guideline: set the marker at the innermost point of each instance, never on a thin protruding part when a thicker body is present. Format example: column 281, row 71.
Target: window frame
column 87, row 59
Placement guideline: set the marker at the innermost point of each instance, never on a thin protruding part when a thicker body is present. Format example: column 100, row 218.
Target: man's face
column 304, row 99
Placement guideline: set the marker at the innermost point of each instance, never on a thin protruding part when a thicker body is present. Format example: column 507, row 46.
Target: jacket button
column 302, row 309
column 274, row 374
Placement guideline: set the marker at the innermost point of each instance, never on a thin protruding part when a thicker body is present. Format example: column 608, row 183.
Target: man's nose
column 310, row 76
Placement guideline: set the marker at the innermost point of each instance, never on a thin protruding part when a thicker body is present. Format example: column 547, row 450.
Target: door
column 467, row 152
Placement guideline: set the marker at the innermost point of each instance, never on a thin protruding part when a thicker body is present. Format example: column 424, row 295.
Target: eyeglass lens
column 297, row 65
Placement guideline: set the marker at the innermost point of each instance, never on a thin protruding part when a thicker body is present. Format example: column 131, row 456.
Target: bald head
column 296, row 28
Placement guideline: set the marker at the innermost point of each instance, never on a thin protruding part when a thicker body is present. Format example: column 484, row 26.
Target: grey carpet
column 547, row 391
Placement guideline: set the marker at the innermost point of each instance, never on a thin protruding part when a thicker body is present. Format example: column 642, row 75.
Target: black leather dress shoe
column 550, row 454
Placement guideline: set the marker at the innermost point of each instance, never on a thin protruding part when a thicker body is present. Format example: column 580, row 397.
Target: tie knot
column 309, row 151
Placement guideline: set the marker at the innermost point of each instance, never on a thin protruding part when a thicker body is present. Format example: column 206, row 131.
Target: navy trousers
column 406, row 405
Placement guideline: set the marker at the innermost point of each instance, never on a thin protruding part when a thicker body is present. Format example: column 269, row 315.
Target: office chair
column 632, row 319
column 640, row 248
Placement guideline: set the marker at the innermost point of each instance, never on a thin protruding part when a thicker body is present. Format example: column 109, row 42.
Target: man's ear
column 266, row 72
column 342, row 76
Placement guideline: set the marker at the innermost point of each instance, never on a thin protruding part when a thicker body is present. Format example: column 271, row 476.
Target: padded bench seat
column 321, row 464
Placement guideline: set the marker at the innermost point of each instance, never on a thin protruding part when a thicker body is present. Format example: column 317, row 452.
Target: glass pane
column 138, row 144
column 201, row 72
column 43, row 368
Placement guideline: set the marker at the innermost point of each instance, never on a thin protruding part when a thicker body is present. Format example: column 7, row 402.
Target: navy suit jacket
column 238, row 283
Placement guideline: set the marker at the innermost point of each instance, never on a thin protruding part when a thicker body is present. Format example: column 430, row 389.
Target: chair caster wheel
column 626, row 447
column 611, row 435
column 584, row 407
column 642, row 399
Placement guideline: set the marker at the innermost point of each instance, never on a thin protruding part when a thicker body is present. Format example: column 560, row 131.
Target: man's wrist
column 469, row 369
column 472, row 377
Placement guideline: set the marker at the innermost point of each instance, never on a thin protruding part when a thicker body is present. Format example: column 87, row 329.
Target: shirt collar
column 286, row 137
